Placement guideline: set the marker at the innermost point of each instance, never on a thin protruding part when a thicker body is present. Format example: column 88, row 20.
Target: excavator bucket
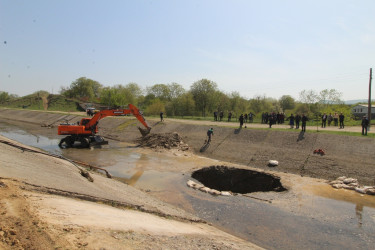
column 144, row 132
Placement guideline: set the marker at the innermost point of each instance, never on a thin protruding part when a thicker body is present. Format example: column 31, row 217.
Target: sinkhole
column 237, row 180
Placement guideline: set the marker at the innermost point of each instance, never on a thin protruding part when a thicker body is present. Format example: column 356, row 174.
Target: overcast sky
column 270, row 48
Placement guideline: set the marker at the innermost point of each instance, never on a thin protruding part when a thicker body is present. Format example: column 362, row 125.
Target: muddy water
column 309, row 215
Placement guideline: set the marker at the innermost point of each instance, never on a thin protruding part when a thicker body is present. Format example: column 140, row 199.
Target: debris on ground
column 205, row 189
column 319, row 151
column 273, row 163
column 352, row 184
column 164, row 140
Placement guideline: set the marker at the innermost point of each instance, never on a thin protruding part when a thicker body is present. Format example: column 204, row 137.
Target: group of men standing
column 335, row 118
column 297, row 120
column 218, row 116
column 278, row 118
column 275, row 117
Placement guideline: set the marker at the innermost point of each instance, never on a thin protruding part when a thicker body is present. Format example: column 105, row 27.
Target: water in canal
column 309, row 215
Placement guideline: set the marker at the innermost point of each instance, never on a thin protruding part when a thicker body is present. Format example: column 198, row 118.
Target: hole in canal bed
column 237, row 180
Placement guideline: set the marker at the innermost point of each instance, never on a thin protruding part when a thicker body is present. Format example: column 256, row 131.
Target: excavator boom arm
column 85, row 131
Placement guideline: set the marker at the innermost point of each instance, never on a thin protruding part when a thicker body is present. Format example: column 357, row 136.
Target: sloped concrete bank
column 349, row 156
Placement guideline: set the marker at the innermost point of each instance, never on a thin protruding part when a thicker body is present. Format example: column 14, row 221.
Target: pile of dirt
column 163, row 141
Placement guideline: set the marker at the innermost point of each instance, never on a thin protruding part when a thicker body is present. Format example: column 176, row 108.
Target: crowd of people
column 294, row 120
column 272, row 118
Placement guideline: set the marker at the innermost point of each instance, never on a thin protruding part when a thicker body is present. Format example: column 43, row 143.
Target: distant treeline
column 202, row 99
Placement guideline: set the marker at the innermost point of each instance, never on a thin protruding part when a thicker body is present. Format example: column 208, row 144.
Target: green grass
column 27, row 102
column 34, row 102
column 347, row 133
column 60, row 103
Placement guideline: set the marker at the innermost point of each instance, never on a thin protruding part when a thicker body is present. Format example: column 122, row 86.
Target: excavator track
column 84, row 141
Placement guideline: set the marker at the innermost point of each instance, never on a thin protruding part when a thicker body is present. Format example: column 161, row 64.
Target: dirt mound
column 163, row 140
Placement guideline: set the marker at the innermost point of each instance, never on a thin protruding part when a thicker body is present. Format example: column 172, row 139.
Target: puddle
column 308, row 215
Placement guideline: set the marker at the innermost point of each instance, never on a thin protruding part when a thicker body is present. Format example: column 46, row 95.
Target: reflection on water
column 358, row 213
column 139, row 170
column 39, row 141
column 363, row 206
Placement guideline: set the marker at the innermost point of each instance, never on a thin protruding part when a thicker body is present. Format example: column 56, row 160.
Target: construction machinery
column 85, row 130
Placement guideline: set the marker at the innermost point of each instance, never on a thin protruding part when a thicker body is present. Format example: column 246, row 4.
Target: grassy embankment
column 46, row 102
column 49, row 102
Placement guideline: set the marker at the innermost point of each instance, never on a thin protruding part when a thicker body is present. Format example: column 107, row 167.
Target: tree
column 203, row 91
column 329, row 96
column 4, row 96
column 175, row 91
column 135, row 90
column 301, row 108
column 107, row 96
column 286, row 102
column 260, row 104
column 235, row 99
column 155, row 107
column 148, row 99
column 185, row 105
column 118, row 96
column 160, row 91
column 310, row 98
column 83, row 88
column 316, row 103
column 221, row 101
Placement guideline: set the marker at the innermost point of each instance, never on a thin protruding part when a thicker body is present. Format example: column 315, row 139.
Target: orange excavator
column 85, row 131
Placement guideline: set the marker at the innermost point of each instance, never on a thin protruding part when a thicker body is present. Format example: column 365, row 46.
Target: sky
column 252, row 47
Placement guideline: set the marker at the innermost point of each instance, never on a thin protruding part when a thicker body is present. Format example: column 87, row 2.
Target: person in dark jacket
column 304, row 119
column 161, row 116
column 241, row 120
column 251, row 117
column 324, row 120
column 330, row 119
column 365, row 123
column 341, row 119
column 210, row 133
column 270, row 120
column 298, row 119
column 291, row 119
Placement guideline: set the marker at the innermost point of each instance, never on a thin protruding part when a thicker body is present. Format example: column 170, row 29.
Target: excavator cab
column 84, row 121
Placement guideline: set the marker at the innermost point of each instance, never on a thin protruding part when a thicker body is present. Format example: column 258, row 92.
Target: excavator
column 85, row 130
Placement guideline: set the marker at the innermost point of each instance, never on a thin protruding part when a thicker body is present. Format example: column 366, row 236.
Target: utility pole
column 369, row 100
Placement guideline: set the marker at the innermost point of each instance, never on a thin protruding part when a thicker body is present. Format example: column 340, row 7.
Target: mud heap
column 164, row 140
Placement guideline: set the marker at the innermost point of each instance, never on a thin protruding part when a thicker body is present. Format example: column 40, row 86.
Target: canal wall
column 350, row 156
